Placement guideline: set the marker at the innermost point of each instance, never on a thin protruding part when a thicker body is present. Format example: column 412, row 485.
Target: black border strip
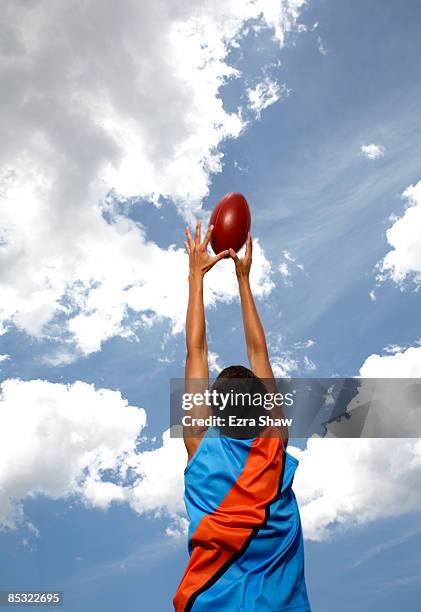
column 244, row 547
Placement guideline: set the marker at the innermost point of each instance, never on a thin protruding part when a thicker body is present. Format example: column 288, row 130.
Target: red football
column 231, row 220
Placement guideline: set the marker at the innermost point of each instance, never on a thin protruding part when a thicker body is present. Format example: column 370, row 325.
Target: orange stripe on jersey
column 222, row 536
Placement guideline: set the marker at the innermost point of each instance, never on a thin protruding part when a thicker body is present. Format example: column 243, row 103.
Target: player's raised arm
column 197, row 371
column 257, row 351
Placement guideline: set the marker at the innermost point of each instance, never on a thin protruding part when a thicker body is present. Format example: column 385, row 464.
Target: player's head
column 244, row 393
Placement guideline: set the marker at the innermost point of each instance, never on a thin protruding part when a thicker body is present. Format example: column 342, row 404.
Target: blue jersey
column 245, row 540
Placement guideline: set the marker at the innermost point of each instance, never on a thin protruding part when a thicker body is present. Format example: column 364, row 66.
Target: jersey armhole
column 208, row 432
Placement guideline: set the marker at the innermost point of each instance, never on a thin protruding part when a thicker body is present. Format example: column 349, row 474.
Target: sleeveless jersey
column 245, row 540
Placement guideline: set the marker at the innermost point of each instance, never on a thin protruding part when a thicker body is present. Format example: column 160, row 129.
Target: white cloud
column 214, row 362
column 288, row 256
column 58, row 357
column 288, row 267
column 178, row 528
column 283, row 365
column 285, row 361
column 285, row 272
column 58, row 440
column 322, row 49
column 372, row 151
column 304, row 344
column 394, row 348
column 404, row 260
column 104, row 97
column 309, row 365
column 159, row 485
column 63, row 441
column 152, row 286
column 340, row 481
column 266, row 93
column 401, row 364
column 101, row 494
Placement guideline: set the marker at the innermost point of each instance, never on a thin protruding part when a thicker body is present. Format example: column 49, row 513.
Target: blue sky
column 353, row 80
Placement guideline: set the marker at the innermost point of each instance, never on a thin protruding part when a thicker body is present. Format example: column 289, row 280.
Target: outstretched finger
column 233, row 255
column 220, row 255
column 198, row 232
column 249, row 246
column 208, row 236
column 186, row 244
column 189, row 238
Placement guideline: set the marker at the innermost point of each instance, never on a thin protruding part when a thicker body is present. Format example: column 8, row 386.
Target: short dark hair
column 236, row 371
column 239, row 379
